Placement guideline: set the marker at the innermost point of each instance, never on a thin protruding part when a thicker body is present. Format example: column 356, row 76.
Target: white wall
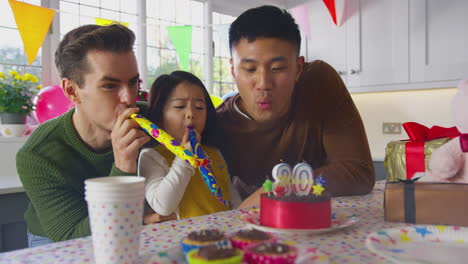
column 427, row 107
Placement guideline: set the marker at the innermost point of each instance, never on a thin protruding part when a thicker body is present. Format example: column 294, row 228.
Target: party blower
column 169, row 142
column 206, row 171
column 197, row 160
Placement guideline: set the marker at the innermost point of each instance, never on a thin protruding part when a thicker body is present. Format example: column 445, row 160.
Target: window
column 74, row 13
column 12, row 56
column 161, row 54
column 223, row 82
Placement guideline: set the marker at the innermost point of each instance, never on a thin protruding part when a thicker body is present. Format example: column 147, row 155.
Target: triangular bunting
column 33, row 23
column 331, row 9
column 301, row 15
column 105, row 22
column 181, row 37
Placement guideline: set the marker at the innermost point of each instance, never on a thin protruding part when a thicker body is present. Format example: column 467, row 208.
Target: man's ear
column 232, row 68
column 300, row 66
column 70, row 88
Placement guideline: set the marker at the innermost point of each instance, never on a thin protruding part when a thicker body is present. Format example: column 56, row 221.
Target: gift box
column 426, row 203
column 403, row 158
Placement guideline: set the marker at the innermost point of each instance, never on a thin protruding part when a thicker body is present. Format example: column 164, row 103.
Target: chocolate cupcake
column 271, row 253
column 203, row 238
column 250, row 237
column 215, row 255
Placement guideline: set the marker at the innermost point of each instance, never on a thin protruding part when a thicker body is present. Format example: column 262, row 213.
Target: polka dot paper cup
column 115, row 206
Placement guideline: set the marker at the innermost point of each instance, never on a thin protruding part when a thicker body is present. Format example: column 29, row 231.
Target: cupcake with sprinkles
column 249, row 237
column 270, row 253
column 214, row 254
column 203, row 238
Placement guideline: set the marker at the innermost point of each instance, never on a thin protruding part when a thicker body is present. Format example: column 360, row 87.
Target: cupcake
column 202, row 238
column 249, row 237
column 271, row 253
column 215, row 255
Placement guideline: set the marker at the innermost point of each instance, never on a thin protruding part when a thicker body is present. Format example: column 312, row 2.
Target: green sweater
column 53, row 165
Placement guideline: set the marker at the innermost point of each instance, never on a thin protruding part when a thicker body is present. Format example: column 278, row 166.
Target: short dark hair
column 70, row 56
column 264, row 22
column 162, row 88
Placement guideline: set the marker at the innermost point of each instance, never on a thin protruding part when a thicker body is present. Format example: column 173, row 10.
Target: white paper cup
column 111, row 197
column 115, row 214
column 115, row 183
column 128, row 190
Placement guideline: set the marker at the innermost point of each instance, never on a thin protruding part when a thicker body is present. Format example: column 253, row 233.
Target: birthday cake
column 295, row 200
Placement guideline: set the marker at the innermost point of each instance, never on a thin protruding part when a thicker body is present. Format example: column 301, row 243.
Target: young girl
column 178, row 101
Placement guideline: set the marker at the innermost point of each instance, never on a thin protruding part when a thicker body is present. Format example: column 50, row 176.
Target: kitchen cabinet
column 377, row 43
column 385, row 45
column 438, row 40
column 369, row 47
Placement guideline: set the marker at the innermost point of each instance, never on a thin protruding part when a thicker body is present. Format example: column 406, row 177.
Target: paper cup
column 110, row 197
column 115, row 183
column 115, row 214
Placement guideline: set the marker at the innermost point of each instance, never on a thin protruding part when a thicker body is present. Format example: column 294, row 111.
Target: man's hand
column 126, row 140
column 152, row 217
column 252, row 200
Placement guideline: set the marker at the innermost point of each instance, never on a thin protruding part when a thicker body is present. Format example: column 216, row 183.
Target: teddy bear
column 449, row 162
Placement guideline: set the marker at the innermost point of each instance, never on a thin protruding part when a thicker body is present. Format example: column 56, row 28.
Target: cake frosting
column 249, row 237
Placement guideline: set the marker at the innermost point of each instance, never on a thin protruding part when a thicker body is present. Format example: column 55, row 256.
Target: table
column 342, row 246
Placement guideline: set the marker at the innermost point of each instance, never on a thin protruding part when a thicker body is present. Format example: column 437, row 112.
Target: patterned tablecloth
column 158, row 241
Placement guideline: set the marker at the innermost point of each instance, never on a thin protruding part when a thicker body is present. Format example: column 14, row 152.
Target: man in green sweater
column 99, row 74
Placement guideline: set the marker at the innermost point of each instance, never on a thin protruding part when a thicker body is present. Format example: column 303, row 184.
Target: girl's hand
column 152, row 217
column 185, row 139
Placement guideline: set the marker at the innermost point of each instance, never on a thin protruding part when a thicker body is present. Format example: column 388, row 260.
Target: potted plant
column 16, row 96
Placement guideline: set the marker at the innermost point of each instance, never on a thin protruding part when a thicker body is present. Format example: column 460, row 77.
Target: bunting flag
column 181, row 37
column 301, row 15
column 105, row 22
column 33, row 23
column 331, row 9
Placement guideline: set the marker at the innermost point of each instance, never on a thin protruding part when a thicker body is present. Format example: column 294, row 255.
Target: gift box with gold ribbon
column 403, row 158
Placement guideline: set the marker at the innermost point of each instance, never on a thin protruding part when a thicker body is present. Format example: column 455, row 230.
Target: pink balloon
column 51, row 102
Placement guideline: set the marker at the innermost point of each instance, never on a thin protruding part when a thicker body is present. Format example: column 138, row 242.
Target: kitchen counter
column 10, row 184
column 9, row 180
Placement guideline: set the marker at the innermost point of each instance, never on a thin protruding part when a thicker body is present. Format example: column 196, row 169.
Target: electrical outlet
column 391, row 128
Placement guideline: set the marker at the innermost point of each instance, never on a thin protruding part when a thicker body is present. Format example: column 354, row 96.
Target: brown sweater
column 323, row 127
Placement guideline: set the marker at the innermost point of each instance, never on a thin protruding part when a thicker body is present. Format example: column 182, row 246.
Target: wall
column 428, row 107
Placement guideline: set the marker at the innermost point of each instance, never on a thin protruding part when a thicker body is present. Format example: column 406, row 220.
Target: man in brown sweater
column 288, row 110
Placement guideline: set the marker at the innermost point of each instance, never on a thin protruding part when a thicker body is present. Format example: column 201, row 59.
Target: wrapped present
column 403, row 158
column 426, row 203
